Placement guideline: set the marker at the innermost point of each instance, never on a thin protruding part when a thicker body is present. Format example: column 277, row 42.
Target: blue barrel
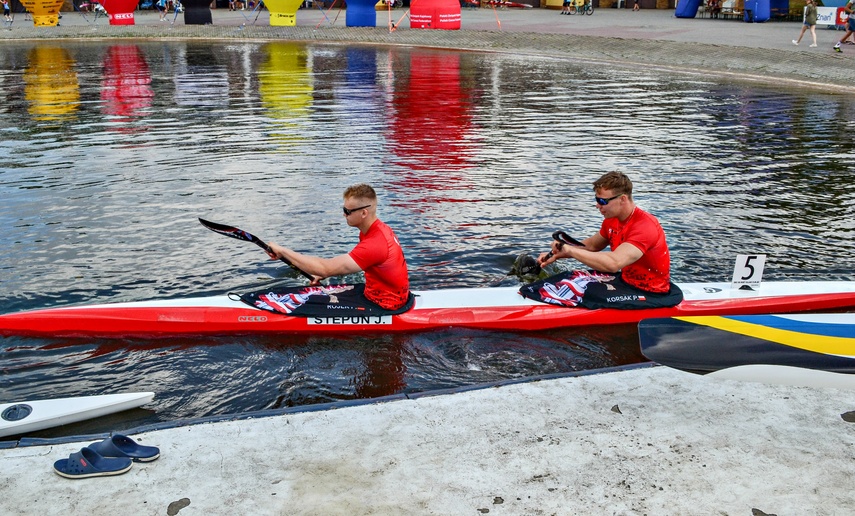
column 757, row 11
column 687, row 8
column 361, row 13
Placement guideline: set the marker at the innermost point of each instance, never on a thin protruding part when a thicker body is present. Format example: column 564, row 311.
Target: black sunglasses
column 348, row 211
column 602, row 202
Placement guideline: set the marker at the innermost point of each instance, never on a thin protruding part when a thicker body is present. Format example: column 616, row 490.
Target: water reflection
column 285, row 87
column 477, row 158
column 357, row 99
column 433, row 143
column 50, row 84
column 431, row 115
column 126, row 90
column 200, row 80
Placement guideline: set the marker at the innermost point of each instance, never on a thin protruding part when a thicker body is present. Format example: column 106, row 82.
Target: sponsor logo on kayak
column 364, row 320
column 252, row 318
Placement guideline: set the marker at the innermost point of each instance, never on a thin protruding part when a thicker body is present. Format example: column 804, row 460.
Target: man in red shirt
column 638, row 266
column 378, row 253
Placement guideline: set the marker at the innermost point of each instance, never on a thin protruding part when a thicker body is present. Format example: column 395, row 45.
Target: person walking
column 161, row 9
column 7, row 13
column 809, row 23
column 850, row 24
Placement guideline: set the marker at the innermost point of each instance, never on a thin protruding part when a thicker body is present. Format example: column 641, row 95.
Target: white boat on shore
column 30, row 416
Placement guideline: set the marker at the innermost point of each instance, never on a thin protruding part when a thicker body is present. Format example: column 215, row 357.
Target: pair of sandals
column 113, row 456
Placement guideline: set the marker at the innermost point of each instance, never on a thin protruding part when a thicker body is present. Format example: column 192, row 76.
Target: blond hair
column 618, row 182
column 360, row 191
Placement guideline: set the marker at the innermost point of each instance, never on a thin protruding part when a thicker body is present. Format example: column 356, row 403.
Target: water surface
column 112, row 150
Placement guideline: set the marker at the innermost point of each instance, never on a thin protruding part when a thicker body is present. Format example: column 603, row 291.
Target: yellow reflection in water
column 285, row 87
column 50, row 84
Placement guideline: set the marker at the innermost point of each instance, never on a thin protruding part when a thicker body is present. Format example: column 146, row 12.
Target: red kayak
column 483, row 308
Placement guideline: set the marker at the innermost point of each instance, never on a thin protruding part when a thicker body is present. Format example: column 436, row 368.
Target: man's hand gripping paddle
column 528, row 265
column 233, row 232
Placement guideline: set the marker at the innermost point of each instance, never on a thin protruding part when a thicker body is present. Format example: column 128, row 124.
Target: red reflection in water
column 126, row 85
column 431, row 115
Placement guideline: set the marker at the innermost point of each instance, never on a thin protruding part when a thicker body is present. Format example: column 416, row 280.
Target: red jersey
column 379, row 254
column 652, row 272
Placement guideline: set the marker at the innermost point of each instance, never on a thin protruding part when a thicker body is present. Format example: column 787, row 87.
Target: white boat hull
column 30, row 416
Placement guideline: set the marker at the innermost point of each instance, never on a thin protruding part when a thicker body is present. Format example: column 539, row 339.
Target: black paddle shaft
column 531, row 266
column 564, row 239
column 233, row 232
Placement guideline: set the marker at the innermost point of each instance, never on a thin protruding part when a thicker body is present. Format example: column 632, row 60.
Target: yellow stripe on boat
column 826, row 345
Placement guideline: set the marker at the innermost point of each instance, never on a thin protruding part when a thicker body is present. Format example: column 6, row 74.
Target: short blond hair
column 618, row 182
column 360, row 191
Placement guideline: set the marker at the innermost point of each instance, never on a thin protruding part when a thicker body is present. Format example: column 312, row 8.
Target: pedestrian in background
column 809, row 23
column 850, row 24
column 161, row 9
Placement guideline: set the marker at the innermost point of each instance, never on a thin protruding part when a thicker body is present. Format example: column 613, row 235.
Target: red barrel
column 120, row 12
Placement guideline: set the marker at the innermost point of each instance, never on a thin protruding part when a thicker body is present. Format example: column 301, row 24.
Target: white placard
column 826, row 16
column 748, row 270
column 359, row 320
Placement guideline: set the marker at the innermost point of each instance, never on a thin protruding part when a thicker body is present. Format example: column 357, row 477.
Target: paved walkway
column 761, row 51
column 644, row 441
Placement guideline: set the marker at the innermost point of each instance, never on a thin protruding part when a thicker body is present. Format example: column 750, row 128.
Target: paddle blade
column 566, row 239
column 229, row 231
column 526, row 265
column 233, row 232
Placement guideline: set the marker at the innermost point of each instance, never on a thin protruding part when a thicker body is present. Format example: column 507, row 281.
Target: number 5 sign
column 748, row 271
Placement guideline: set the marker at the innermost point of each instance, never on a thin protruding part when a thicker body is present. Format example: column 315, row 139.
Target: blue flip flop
column 119, row 445
column 87, row 463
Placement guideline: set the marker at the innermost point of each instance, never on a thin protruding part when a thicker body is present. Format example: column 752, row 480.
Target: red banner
column 435, row 14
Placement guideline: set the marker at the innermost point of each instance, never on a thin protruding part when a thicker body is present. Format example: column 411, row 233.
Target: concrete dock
column 645, row 440
column 648, row 440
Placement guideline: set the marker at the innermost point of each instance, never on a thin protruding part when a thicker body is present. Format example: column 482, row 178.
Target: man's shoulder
column 646, row 214
column 646, row 218
column 378, row 226
column 380, row 229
